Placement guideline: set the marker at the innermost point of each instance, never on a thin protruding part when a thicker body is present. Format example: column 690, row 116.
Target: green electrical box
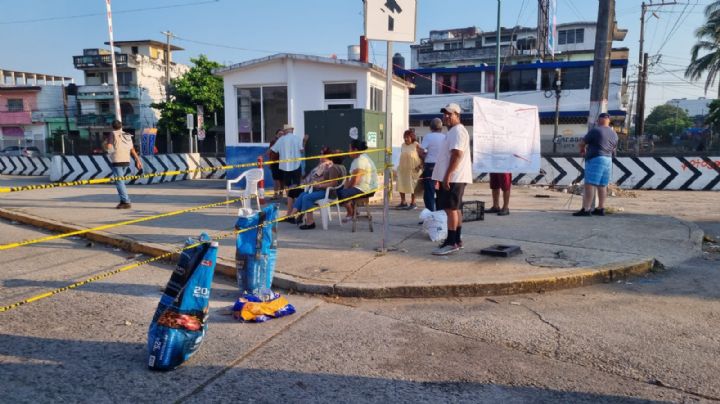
column 331, row 128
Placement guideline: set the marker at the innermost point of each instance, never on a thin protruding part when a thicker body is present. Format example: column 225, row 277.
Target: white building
column 455, row 65
column 141, row 82
column 263, row 94
column 697, row 108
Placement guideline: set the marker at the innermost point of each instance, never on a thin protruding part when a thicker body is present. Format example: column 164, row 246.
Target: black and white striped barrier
column 23, row 165
column 699, row 173
column 74, row 168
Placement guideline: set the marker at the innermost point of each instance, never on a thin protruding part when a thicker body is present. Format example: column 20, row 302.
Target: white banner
column 506, row 137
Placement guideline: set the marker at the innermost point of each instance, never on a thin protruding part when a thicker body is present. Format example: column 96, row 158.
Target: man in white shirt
column 454, row 171
column 289, row 147
column 431, row 145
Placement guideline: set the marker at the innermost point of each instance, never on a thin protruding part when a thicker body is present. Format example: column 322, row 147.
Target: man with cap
column 289, row 147
column 598, row 147
column 453, row 171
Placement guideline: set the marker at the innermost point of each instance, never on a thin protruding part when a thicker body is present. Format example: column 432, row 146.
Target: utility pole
column 601, row 65
column 116, row 94
column 67, row 120
column 642, row 75
column 168, row 34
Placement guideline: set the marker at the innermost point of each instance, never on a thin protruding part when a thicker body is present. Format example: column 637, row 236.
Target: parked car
column 28, row 151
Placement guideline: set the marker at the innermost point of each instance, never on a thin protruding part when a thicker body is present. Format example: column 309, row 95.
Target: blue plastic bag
column 180, row 320
column 256, row 252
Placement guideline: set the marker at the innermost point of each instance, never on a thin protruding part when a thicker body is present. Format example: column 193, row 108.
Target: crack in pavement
column 656, row 382
column 558, row 333
column 246, row 355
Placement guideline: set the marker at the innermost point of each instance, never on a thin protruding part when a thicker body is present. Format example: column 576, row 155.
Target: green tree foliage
column 667, row 120
column 713, row 117
column 196, row 87
column 708, row 42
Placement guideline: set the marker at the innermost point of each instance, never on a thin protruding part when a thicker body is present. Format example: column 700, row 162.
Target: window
column 446, row 84
column 261, row 112
column 134, row 50
column 341, row 106
column 124, row 78
column 15, row 105
column 518, row 80
column 570, row 36
column 490, row 39
column 423, row 84
column 490, row 82
column 340, row 91
column 469, row 82
column 573, row 78
column 104, row 107
column 376, row 99
column 452, row 45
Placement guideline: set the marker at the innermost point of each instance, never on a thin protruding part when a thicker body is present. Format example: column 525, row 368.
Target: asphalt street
column 649, row 338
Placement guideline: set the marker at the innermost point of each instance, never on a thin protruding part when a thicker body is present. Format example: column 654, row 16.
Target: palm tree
column 708, row 36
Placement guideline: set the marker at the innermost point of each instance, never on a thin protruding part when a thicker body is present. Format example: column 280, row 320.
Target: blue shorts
column 597, row 171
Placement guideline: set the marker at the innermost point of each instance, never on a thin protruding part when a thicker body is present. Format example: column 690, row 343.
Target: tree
column 713, row 117
column 196, row 87
column 708, row 36
column 667, row 120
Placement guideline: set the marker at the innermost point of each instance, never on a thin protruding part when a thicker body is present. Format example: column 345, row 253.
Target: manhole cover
column 551, row 262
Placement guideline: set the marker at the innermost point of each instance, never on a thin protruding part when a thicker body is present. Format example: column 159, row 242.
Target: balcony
column 16, row 118
column 431, row 57
column 84, row 62
column 106, row 93
column 105, row 120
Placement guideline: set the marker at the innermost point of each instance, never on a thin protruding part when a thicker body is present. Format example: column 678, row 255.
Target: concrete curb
column 569, row 279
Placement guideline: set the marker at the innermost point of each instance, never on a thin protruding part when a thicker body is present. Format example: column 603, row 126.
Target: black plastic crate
column 473, row 210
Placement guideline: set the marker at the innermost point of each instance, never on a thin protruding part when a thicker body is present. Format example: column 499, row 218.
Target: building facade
column 456, row 65
column 28, row 101
column 141, row 81
column 262, row 95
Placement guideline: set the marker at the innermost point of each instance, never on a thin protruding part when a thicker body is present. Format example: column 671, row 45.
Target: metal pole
column 190, row 141
column 497, row 53
column 116, row 94
column 67, row 121
column 388, row 145
column 558, row 90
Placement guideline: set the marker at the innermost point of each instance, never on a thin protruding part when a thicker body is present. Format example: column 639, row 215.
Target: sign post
column 190, row 126
column 200, row 125
column 389, row 20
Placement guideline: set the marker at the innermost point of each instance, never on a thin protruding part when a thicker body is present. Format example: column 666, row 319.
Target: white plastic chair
column 252, row 177
column 326, row 211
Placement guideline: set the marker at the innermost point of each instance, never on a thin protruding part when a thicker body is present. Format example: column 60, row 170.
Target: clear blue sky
column 43, row 35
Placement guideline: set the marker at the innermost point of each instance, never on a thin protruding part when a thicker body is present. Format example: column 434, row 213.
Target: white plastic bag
column 434, row 224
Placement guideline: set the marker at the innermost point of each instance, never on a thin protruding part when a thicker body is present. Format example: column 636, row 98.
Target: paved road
column 652, row 338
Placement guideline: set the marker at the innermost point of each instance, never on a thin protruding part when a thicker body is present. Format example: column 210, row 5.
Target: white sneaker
column 447, row 249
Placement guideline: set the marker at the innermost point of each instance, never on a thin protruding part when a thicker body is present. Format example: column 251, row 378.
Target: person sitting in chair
column 363, row 180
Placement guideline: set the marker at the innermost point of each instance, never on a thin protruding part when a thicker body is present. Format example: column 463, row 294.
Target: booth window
column 261, row 112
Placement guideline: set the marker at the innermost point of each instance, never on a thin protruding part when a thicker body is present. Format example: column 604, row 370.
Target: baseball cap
column 288, row 126
column 452, row 108
column 604, row 115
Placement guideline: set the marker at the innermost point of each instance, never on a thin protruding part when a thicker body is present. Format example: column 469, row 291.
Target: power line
column 134, row 10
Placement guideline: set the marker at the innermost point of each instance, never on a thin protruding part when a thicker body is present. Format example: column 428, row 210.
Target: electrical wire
column 135, row 10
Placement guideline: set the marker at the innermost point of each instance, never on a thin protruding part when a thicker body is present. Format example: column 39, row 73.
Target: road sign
column 201, row 134
column 190, row 121
column 390, row 20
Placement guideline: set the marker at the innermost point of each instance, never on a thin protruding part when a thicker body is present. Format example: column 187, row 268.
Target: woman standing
column 408, row 169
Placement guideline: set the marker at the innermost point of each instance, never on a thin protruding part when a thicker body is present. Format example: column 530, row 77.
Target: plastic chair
column 325, row 210
column 252, row 177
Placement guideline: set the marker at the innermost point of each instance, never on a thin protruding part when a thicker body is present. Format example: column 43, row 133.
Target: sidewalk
column 558, row 250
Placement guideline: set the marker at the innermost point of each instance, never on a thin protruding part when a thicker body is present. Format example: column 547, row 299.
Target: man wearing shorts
column 500, row 182
column 289, row 147
column 598, row 147
column 453, row 171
